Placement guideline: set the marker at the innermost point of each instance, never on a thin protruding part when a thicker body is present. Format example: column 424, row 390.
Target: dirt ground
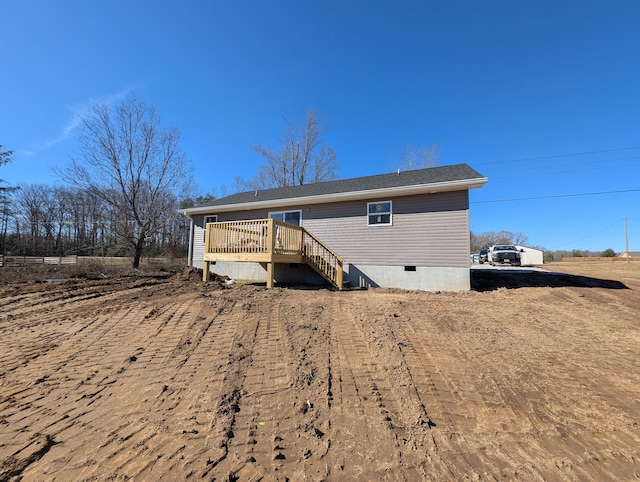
column 159, row 376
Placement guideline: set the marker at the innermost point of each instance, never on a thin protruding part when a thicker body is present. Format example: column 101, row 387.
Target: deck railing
column 255, row 236
column 287, row 238
column 261, row 237
column 237, row 237
column 323, row 259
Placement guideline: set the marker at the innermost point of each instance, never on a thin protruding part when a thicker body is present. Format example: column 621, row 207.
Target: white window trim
column 390, row 223
column 286, row 211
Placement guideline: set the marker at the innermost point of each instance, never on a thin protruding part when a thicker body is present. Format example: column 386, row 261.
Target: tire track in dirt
column 256, row 420
column 59, row 294
column 121, row 418
column 222, row 427
column 196, row 369
column 38, row 329
column 308, row 328
column 459, row 398
column 276, row 426
column 164, row 381
column 150, row 443
column 110, row 351
column 190, row 366
column 65, row 299
column 441, row 397
column 82, row 371
column 369, row 403
column 306, row 343
column 421, row 391
column 489, row 394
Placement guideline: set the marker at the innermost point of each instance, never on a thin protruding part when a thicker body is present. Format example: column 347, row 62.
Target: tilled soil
column 530, row 377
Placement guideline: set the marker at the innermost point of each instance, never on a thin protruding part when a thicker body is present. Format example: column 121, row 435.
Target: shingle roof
column 432, row 175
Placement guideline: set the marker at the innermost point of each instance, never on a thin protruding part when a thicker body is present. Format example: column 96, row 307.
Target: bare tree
column 239, row 184
column 5, row 215
column 301, row 158
column 135, row 165
column 417, row 157
column 5, row 157
column 31, row 201
column 489, row 238
column 5, row 204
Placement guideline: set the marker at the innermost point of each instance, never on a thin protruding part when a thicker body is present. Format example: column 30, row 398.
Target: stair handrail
column 270, row 236
column 323, row 259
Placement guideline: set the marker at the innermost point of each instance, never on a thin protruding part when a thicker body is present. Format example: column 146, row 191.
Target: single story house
column 407, row 229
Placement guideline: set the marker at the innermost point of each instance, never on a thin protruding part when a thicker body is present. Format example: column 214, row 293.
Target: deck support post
column 271, row 243
column 207, row 264
column 267, row 241
column 339, row 276
column 270, row 275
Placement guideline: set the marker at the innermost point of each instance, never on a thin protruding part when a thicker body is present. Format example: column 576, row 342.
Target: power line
column 548, row 174
column 553, row 197
column 555, row 156
column 588, row 236
column 537, row 170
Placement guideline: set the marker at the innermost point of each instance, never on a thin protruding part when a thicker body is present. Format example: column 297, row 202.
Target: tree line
column 484, row 240
column 41, row 220
column 123, row 191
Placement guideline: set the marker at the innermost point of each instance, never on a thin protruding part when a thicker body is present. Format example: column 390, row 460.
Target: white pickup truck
column 504, row 254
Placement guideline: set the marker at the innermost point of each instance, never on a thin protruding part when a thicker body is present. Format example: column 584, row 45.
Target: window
column 208, row 219
column 291, row 217
column 379, row 213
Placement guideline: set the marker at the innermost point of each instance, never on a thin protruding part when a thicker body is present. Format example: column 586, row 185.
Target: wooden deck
column 269, row 241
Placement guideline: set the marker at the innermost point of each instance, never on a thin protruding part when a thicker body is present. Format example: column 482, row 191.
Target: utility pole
column 626, row 238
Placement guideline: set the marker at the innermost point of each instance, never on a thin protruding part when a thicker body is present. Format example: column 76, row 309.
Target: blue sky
column 543, row 98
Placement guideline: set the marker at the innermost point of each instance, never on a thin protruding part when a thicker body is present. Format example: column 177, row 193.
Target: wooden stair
column 270, row 242
column 323, row 260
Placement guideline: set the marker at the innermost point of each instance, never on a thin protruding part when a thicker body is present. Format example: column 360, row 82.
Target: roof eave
column 343, row 196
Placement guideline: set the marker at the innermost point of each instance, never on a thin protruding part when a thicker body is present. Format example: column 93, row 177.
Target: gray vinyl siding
column 430, row 230
column 241, row 216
